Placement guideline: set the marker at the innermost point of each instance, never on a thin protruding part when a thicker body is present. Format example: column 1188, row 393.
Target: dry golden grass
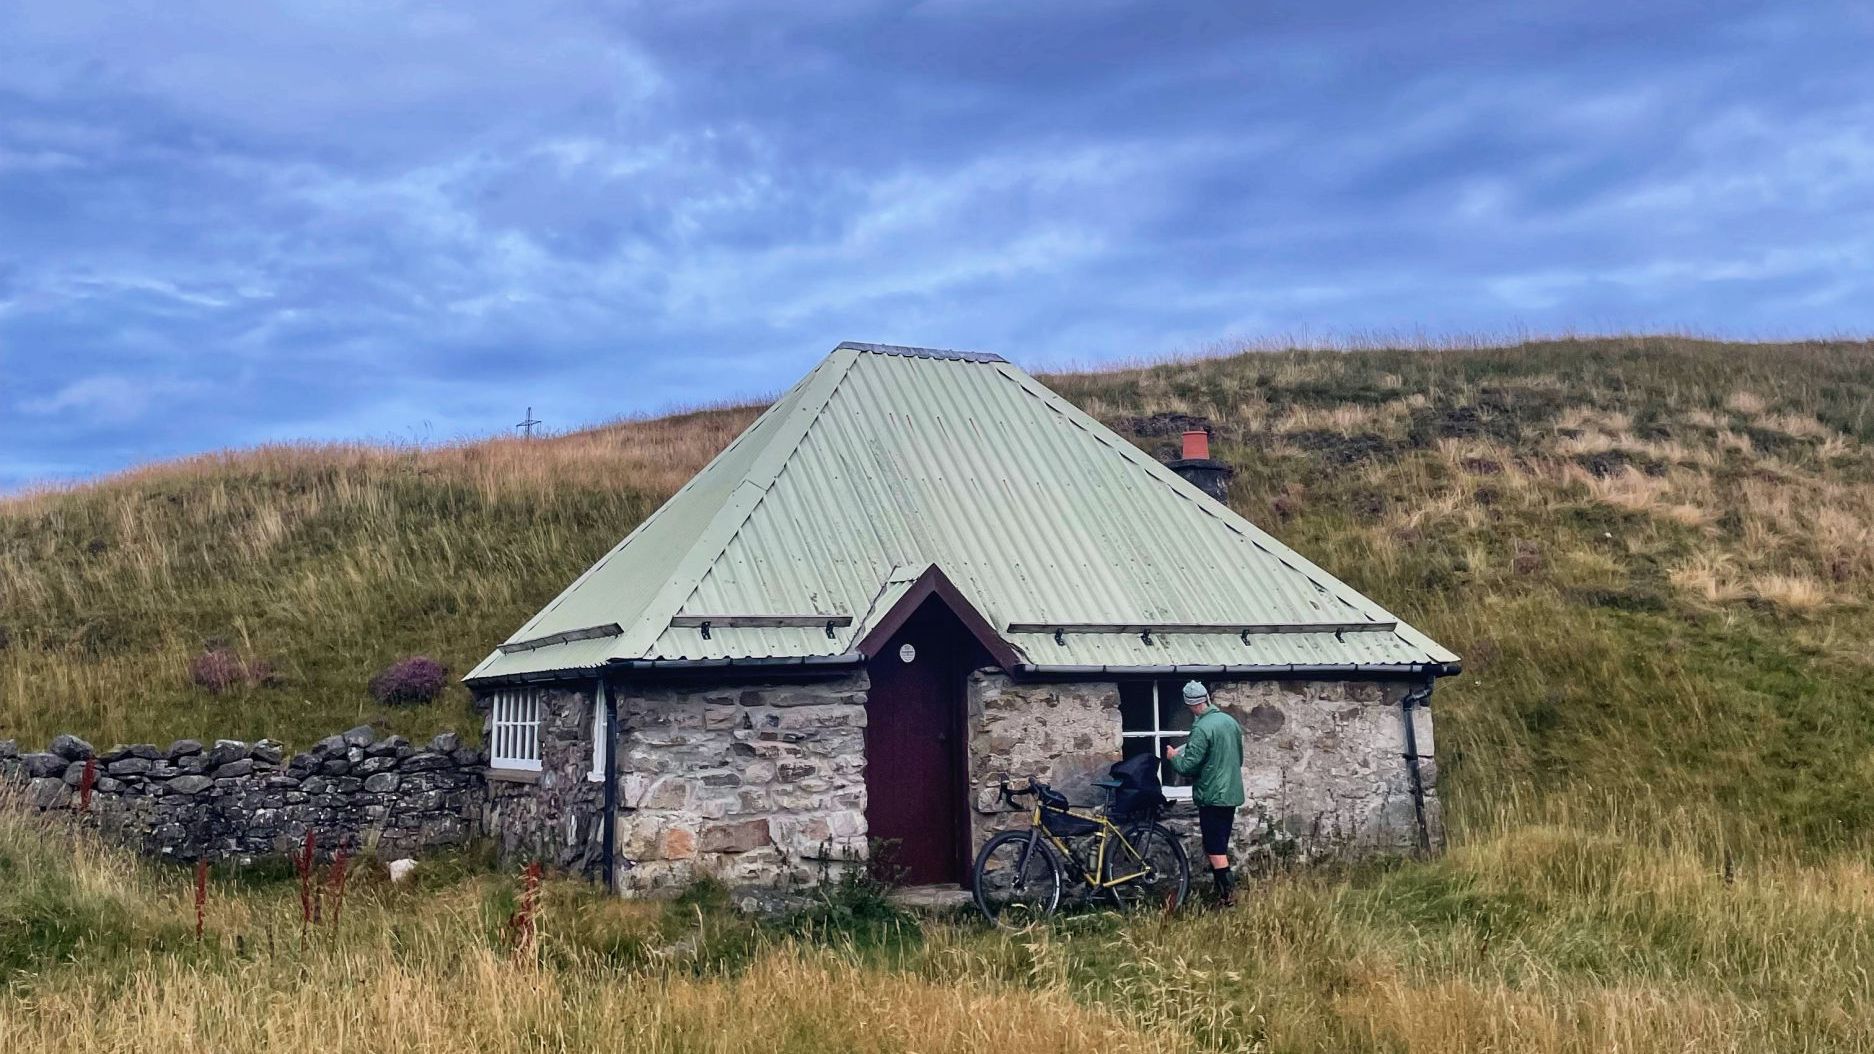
column 1544, row 938
column 380, row 998
column 1749, row 404
column 1793, row 592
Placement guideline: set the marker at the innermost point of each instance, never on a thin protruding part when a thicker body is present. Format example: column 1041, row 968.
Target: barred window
column 514, row 740
column 1152, row 716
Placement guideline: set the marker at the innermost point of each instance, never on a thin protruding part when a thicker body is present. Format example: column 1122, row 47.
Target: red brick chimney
column 1199, row 468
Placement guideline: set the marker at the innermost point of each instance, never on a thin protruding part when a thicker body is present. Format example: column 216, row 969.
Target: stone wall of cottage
column 554, row 815
column 1064, row 734
column 1324, row 766
column 758, row 783
column 239, row 800
column 1323, row 761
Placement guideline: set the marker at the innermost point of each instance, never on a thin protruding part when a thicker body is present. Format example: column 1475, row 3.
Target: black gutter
column 1417, row 698
column 1435, row 669
column 609, row 841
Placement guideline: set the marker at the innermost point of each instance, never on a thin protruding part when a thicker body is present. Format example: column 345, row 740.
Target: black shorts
column 1215, row 821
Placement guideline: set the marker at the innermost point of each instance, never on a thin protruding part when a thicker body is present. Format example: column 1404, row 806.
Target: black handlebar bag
column 1056, row 818
column 1138, row 794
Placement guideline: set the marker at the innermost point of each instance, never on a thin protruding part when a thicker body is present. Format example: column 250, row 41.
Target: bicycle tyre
column 1171, row 883
column 1000, row 880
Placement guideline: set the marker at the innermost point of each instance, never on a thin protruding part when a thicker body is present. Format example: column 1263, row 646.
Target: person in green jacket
column 1213, row 756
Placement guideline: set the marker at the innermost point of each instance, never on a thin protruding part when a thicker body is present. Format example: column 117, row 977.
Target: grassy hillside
column 1653, row 553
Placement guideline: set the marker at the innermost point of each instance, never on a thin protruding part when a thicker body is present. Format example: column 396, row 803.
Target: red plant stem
column 523, row 921
column 201, row 895
column 85, row 783
column 304, row 867
column 335, row 881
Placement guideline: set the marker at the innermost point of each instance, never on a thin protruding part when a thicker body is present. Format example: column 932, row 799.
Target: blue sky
column 229, row 223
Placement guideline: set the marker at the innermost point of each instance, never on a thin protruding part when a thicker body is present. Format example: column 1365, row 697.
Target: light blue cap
column 1195, row 693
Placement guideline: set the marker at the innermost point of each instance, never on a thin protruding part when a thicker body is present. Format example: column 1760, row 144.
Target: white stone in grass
column 401, row 869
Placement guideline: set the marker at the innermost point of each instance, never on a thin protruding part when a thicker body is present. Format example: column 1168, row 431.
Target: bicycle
column 1018, row 875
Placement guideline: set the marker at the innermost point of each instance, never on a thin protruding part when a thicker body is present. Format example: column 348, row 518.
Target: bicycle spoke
column 1153, row 875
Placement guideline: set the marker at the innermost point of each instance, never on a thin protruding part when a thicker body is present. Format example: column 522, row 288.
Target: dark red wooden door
column 914, row 747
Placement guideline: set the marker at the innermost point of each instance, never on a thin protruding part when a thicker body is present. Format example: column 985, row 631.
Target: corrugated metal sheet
column 887, row 460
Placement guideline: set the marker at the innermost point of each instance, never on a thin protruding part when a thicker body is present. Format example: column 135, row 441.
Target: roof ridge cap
column 905, row 351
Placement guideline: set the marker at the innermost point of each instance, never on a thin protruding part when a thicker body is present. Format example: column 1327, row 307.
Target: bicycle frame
column 1107, row 834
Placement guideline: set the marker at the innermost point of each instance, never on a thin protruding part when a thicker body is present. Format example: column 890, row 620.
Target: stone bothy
column 917, row 575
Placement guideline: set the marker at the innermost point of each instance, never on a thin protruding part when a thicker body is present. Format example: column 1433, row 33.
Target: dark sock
column 1220, row 877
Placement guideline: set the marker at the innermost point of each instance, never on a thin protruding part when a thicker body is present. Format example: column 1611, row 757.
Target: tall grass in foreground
column 1536, row 939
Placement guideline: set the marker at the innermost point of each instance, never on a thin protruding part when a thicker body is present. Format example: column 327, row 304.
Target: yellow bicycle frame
column 1108, row 833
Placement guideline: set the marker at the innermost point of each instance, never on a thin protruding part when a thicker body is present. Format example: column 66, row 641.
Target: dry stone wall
column 233, row 799
column 759, row 783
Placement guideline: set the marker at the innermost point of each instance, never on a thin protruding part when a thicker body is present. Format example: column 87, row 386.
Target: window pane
column 1135, row 706
column 1173, row 715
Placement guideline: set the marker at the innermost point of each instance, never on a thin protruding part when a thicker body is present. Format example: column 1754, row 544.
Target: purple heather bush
column 417, row 679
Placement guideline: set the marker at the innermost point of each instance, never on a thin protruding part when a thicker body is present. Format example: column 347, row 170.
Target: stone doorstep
column 933, row 900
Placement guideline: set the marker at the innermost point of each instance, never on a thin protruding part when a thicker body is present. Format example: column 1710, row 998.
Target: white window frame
column 1159, row 735
column 514, row 730
column 601, row 742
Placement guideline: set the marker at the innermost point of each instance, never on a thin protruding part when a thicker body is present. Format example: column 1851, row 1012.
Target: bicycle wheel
column 1017, row 879
column 1167, row 875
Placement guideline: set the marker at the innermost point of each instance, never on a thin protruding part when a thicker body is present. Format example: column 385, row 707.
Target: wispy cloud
column 111, row 398
column 319, row 219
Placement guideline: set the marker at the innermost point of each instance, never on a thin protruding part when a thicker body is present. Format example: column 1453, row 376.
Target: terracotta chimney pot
column 1197, row 445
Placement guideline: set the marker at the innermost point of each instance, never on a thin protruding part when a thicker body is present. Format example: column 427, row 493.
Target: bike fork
column 1021, row 863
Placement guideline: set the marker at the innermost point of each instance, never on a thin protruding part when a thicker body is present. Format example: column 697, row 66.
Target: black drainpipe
column 1417, row 697
column 608, row 843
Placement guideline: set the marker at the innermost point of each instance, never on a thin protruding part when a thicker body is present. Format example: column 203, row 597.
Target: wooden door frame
column 934, row 585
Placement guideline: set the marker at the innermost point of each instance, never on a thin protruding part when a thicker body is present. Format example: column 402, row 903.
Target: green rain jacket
column 1214, row 754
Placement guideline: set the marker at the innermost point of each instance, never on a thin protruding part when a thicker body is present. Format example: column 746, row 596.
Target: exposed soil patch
column 1433, row 423
column 1166, row 423
column 1604, row 463
column 1338, row 449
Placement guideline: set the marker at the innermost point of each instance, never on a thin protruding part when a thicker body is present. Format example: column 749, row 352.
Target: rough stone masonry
column 757, row 782
column 233, row 799
column 1324, row 769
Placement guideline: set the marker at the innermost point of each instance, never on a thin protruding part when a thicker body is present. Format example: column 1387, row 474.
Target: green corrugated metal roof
column 884, row 461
